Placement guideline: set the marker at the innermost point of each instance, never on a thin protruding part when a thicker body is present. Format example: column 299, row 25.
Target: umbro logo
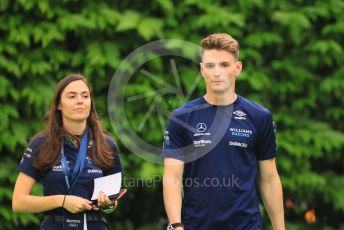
column 239, row 115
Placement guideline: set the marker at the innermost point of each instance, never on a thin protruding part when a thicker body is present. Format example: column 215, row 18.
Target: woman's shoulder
column 32, row 149
column 111, row 142
column 36, row 141
column 109, row 139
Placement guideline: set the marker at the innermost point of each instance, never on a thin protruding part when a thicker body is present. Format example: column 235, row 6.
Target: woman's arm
column 22, row 201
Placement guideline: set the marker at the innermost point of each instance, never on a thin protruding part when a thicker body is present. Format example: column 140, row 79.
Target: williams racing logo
column 239, row 115
column 241, row 132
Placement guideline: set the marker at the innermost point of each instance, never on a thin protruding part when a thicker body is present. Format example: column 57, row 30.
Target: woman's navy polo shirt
column 221, row 147
column 53, row 179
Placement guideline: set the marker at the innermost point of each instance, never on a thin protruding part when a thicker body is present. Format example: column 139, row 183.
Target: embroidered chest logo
column 239, row 115
column 91, row 171
column 201, row 129
column 238, row 144
column 240, row 132
column 58, row 168
column 201, row 143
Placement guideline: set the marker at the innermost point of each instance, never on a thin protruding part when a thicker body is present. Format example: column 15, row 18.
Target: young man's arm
column 172, row 186
column 271, row 192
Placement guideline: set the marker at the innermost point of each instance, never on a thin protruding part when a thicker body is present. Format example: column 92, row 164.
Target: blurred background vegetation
column 293, row 64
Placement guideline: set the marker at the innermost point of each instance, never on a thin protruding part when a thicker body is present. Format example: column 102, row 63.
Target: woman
column 65, row 158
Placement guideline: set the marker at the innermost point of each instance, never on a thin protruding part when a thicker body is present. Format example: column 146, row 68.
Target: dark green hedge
column 292, row 53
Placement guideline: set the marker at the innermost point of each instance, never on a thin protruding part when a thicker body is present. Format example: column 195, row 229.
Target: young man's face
column 219, row 69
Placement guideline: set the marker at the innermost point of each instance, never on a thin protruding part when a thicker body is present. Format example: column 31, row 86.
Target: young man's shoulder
column 189, row 106
column 253, row 107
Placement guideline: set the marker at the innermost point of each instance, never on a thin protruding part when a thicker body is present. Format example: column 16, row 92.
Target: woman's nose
column 79, row 100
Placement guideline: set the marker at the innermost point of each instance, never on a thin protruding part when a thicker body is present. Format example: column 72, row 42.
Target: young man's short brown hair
column 220, row 41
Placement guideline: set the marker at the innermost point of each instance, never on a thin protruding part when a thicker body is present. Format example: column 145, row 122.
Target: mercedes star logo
column 201, row 127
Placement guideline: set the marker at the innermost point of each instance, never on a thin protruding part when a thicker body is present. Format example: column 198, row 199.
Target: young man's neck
column 220, row 99
column 74, row 127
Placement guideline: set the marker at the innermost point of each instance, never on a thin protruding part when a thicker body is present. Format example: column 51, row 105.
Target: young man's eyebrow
column 206, row 63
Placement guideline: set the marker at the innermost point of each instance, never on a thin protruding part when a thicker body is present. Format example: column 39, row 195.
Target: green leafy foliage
column 292, row 53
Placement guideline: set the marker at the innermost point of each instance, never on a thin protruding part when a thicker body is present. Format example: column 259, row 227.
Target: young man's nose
column 217, row 71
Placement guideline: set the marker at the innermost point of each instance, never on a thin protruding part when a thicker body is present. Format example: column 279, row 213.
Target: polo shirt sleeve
column 30, row 155
column 174, row 139
column 116, row 166
column 266, row 139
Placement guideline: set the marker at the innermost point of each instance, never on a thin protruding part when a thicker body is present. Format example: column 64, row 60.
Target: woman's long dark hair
column 49, row 153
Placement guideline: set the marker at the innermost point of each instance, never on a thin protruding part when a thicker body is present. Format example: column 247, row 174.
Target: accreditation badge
column 73, row 221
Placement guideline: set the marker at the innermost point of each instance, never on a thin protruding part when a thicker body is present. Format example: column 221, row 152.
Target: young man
column 215, row 149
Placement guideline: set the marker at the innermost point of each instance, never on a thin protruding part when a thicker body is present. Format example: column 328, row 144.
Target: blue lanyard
column 79, row 165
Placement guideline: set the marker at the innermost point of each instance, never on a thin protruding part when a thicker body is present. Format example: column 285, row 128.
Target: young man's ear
column 239, row 68
column 201, row 68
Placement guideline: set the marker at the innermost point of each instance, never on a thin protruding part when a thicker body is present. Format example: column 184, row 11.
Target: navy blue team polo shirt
column 221, row 147
column 53, row 180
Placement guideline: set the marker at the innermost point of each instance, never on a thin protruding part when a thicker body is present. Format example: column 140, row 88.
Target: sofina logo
column 201, row 127
column 239, row 115
column 201, row 143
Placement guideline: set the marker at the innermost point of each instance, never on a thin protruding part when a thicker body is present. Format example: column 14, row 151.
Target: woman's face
column 75, row 103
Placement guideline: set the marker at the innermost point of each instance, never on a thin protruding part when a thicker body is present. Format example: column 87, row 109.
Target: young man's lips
column 79, row 109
